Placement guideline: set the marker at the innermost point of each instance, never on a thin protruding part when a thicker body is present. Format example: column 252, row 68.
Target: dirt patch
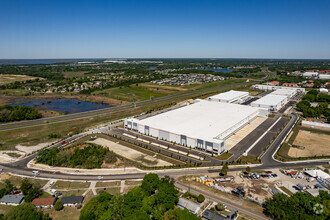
column 49, row 113
column 6, row 79
column 308, row 144
column 30, row 149
column 130, row 153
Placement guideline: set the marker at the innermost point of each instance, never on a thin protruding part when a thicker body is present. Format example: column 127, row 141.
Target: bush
column 220, row 207
column 58, row 205
column 110, row 157
column 200, row 198
column 53, row 135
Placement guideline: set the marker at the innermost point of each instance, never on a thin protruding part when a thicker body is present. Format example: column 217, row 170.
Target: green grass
column 45, row 195
column 107, row 184
column 112, row 190
column 249, row 159
column 67, row 213
column 14, row 92
column 133, row 182
column 4, row 209
column 78, row 192
column 132, row 94
column 223, row 156
column 287, row 191
column 17, row 181
column 70, row 185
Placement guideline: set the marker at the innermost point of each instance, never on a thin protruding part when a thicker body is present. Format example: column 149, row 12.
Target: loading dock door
column 146, row 130
column 134, row 126
column 209, row 146
column 183, row 140
column 200, row 143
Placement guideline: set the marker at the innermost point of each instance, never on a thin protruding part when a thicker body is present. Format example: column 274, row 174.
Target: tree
column 179, row 214
column 224, row 170
column 200, row 198
column 219, row 207
column 149, row 183
column 248, row 169
column 26, row 211
column 58, row 205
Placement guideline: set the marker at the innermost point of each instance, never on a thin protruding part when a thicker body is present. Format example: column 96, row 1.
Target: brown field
column 310, row 144
column 6, row 79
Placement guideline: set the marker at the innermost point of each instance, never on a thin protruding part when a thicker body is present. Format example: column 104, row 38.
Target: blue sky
column 162, row 29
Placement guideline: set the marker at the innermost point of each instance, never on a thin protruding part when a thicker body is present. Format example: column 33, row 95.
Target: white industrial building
column 204, row 125
column 273, row 88
column 324, row 76
column 271, row 102
column 230, row 96
column 310, row 74
column 285, row 92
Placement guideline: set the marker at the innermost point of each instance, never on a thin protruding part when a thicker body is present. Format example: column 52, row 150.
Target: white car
column 100, row 177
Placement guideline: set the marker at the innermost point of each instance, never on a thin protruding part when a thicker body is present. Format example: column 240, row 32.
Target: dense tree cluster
column 29, row 190
column 91, row 156
column 9, row 187
column 18, row 113
column 25, row 211
column 300, row 205
column 154, row 199
column 322, row 109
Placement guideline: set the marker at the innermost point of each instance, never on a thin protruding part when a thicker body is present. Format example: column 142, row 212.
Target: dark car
column 274, row 175
column 269, row 172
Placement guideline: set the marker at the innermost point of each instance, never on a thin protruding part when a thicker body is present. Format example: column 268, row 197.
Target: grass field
column 67, row 213
column 223, row 156
column 112, row 190
column 77, row 74
column 17, row 181
column 286, row 190
column 108, row 184
column 70, row 185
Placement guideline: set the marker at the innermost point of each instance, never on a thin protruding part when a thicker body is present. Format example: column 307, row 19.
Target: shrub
column 200, row 198
column 58, row 205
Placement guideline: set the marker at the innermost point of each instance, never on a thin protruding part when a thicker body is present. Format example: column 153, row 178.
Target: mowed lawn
column 133, row 93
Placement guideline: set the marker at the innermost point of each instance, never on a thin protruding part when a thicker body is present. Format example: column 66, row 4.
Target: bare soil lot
column 6, row 79
column 310, row 144
column 130, row 153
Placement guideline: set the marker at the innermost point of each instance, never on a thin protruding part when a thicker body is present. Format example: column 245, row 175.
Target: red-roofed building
column 324, row 71
column 309, row 85
column 44, row 202
column 273, row 83
column 290, row 84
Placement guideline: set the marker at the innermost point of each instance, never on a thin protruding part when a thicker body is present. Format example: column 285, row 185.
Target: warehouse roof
column 270, row 100
column 230, row 95
column 285, row 92
column 203, row 119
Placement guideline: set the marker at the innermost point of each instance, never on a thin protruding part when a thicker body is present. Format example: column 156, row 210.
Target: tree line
column 18, row 113
column 154, row 199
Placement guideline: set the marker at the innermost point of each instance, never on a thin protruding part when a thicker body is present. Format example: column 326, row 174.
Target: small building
column 271, row 102
column 210, row 215
column 301, row 186
column 273, row 83
column 230, row 96
column 72, row 200
column 12, row 200
column 187, row 204
column 323, row 90
column 309, row 85
column 290, row 84
column 44, row 202
column 310, row 74
column 275, row 191
column 273, row 88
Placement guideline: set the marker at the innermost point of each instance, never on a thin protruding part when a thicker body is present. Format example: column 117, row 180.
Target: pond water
column 64, row 105
column 218, row 70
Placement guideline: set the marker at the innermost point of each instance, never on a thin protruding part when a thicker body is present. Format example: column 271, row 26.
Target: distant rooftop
column 230, row 95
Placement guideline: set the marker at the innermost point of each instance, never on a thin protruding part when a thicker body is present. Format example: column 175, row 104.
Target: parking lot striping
column 255, row 143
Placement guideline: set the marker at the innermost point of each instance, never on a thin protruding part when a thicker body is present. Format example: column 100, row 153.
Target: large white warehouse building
column 271, row 102
column 230, row 96
column 273, row 88
column 203, row 125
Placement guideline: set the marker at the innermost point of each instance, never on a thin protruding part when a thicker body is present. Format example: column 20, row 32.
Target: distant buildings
column 187, row 79
column 273, row 83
